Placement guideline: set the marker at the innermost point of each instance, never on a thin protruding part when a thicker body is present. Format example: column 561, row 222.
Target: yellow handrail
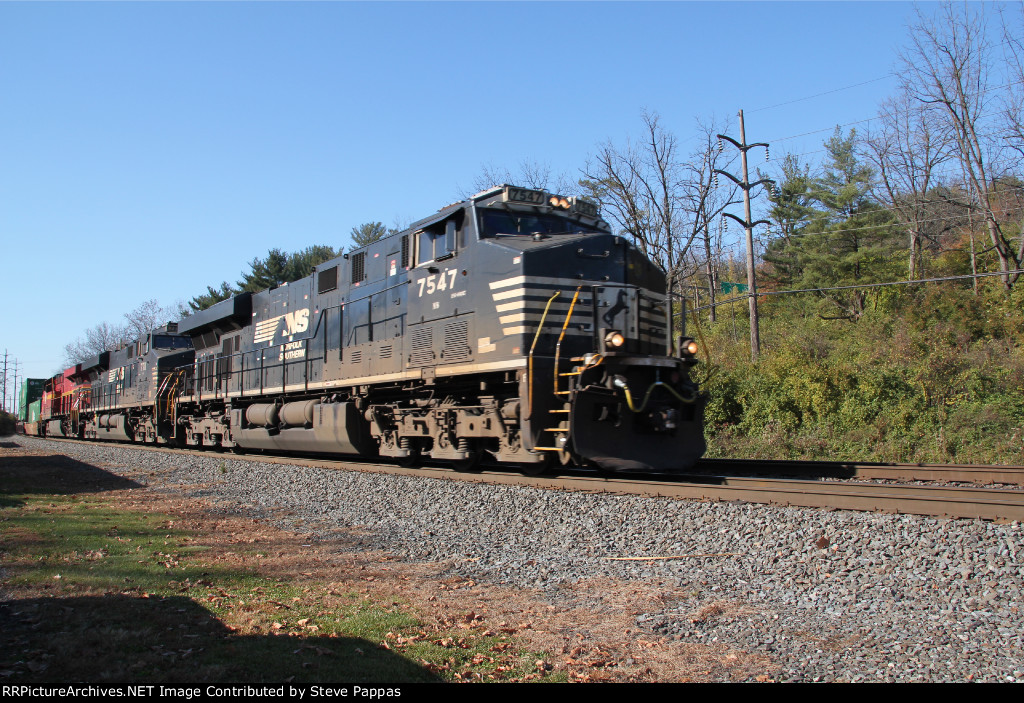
column 558, row 347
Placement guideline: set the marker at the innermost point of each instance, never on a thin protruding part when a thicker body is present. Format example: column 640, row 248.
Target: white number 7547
column 438, row 282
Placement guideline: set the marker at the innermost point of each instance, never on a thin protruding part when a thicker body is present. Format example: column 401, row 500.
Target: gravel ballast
column 826, row 595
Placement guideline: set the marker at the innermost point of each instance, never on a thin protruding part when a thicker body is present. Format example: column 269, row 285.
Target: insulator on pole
column 767, row 154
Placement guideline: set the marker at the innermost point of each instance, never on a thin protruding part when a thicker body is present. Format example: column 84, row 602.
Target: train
column 512, row 328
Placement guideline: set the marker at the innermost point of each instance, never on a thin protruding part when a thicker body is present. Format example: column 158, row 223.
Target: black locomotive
column 512, row 326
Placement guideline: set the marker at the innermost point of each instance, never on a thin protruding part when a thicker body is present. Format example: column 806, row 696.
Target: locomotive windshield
column 504, row 222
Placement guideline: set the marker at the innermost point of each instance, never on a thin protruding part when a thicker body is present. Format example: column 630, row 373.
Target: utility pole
column 14, row 393
column 755, row 330
column 5, row 381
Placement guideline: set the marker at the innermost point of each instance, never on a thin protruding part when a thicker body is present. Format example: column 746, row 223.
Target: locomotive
column 513, row 327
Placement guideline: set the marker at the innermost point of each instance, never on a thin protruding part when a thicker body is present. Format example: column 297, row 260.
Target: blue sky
column 150, row 149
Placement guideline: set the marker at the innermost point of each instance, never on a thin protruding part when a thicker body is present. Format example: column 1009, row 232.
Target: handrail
column 529, row 380
column 558, row 346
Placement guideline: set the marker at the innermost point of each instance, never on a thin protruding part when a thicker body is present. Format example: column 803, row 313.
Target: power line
column 870, row 119
column 869, row 227
column 827, row 92
column 826, row 129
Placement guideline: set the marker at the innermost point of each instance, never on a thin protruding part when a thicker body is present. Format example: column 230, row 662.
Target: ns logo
column 294, row 323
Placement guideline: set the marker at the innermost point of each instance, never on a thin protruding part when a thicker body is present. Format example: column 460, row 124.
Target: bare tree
column 147, row 316
column 103, row 337
column 642, row 189
column 909, row 151
column 107, row 337
column 949, row 66
column 1012, row 94
column 703, row 202
column 531, row 174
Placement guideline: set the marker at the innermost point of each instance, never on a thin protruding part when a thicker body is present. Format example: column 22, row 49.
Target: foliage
column 212, row 296
column 833, row 233
column 368, row 233
column 110, row 337
column 7, row 421
column 274, row 269
column 934, row 374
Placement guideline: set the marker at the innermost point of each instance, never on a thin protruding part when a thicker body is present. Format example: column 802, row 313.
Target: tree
column 139, row 322
column 98, row 339
column 949, row 66
column 909, row 151
column 301, row 263
column 792, row 209
column 704, row 202
column 212, row 296
column 277, row 268
column 531, row 174
column 146, row 317
column 367, row 233
column 642, row 190
column 844, row 235
column 265, row 273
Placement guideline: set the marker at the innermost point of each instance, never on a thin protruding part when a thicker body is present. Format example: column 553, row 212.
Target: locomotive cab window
column 436, row 243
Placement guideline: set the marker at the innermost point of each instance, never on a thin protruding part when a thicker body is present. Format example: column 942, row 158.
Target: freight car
column 29, row 402
column 512, row 326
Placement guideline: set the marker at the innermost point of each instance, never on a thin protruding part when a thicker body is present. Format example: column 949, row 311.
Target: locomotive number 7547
column 438, row 282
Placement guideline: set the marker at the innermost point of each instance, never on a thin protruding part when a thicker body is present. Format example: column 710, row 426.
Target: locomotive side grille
column 358, row 267
column 327, row 280
column 385, row 352
column 355, row 357
column 421, row 343
column 456, row 341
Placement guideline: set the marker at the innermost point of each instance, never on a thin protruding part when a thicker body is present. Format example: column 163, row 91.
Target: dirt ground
column 591, row 633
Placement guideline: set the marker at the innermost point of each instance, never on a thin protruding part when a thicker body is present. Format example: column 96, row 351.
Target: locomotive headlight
column 687, row 347
column 614, row 339
column 555, row 201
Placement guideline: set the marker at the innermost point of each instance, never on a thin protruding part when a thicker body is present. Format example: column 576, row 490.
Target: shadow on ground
column 132, row 638
column 54, row 474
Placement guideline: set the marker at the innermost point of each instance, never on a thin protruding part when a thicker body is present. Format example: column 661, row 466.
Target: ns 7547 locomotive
column 513, row 326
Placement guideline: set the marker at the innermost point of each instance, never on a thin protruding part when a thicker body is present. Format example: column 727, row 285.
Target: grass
column 99, row 590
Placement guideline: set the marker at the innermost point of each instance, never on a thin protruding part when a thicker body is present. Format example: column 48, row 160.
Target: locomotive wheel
column 413, row 460
column 536, row 468
column 470, row 464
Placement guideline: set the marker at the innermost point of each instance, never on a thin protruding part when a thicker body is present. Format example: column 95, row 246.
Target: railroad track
column 944, row 473
column 715, row 483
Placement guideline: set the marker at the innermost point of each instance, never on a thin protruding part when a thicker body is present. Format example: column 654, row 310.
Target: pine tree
column 367, row 233
column 265, row 273
column 212, row 296
column 834, row 232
